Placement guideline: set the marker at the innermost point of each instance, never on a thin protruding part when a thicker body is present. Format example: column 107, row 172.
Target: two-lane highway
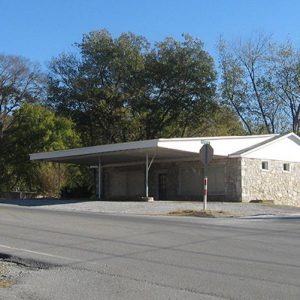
column 102, row 256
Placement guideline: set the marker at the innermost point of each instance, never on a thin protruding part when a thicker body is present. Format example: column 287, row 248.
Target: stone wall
column 233, row 180
column 171, row 171
column 273, row 184
column 184, row 180
column 118, row 182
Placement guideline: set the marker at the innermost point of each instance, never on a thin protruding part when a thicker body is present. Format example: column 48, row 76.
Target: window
column 265, row 165
column 286, row 167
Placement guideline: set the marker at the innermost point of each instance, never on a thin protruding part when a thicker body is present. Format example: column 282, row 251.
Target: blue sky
column 41, row 29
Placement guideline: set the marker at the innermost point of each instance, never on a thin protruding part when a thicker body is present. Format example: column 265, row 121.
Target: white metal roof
column 176, row 148
column 283, row 148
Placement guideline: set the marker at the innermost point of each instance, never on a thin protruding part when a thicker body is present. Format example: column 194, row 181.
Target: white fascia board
column 95, row 150
column 223, row 146
column 286, row 148
column 226, row 137
column 247, row 153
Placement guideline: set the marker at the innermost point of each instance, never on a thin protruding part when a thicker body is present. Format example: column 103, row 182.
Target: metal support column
column 148, row 166
column 99, row 179
column 205, row 185
column 147, row 177
column 58, row 180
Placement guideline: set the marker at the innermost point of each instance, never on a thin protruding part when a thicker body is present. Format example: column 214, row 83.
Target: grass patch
column 201, row 213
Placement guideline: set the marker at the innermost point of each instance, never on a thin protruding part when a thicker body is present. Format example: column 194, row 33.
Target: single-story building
column 244, row 168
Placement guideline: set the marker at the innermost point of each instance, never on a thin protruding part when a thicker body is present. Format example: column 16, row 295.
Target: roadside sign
column 206, row 153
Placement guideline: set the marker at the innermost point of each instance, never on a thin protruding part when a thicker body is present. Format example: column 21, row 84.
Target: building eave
column 276, row 138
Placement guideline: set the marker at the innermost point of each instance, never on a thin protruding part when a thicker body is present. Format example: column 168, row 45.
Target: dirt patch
column 271, row 202
column 6, row 279
column 202, row 213
column 6, row 283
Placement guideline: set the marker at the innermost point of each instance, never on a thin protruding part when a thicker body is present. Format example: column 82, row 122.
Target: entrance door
column 162, row 186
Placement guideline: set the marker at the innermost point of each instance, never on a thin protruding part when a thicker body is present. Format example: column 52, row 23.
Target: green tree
column 34, row 129
column 179, row 88
column 124, row 89
column 94, row 89
column 220, row 122
column 20, row 82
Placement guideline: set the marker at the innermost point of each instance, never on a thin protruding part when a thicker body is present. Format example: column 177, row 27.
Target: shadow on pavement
column 273, row 217
column 294, row 218
column 41, row 202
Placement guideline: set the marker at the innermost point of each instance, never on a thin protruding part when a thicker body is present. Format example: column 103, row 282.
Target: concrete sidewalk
column 154, row 208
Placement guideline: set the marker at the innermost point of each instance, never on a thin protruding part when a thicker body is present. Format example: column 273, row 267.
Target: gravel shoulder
column 10, row 273
column 14, row 277
column 156, row 207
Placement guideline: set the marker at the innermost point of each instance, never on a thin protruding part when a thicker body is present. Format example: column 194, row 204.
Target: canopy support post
column 99, row 179
column 58, row 180
column 147, row 177
column 148, row 166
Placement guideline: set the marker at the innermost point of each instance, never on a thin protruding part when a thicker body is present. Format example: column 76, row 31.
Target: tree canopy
column 111, row 90
column 20, row 82
column 125, row 89
column 35, row 129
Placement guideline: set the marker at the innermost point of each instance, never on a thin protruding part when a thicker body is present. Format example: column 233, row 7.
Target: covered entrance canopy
column 145, row 152
column 114, row 154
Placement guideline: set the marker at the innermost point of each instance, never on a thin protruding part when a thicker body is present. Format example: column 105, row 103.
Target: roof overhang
column 161, row 149
column 133, row 152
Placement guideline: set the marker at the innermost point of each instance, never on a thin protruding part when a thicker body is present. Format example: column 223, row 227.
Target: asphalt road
column 102, row 256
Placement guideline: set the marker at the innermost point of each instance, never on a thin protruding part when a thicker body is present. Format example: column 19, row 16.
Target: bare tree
column 20, row 81
column 233, row 89
column 246, row 83
column 286, row 81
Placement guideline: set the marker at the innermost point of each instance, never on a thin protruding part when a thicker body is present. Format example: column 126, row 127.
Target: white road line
column 39, row 253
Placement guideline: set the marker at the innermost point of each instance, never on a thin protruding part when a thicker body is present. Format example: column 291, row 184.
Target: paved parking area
column 154, row 208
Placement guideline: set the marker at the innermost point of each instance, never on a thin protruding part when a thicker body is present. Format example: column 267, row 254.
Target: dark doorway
column 162, row 186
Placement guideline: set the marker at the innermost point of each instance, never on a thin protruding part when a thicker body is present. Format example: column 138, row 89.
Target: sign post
column 206, row 155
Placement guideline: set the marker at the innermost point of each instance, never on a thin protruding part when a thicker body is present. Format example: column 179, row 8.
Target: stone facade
column 123, row 182
column 283, row 187
column 229, row 179
column 233, row 180
column 184, row 180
